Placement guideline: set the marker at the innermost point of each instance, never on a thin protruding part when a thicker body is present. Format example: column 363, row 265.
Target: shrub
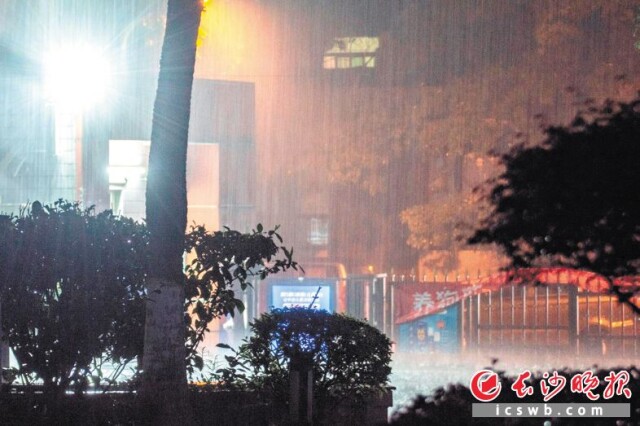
column 71, row 288
column 349, row 358
column 73, row 296
column 224, row 262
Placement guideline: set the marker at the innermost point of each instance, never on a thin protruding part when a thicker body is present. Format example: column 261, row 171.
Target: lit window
column 352, row 52
column 344, row 62
column 319, row 232
column 329, row 62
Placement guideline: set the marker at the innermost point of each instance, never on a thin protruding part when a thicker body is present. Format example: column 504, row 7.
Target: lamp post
column 301, row 388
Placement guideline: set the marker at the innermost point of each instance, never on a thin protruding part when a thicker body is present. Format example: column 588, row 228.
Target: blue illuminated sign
column 303, row 295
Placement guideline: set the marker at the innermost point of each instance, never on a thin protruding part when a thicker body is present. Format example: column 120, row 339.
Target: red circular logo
column 485, row 385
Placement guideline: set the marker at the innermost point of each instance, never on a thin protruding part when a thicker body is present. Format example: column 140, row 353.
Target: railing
column 555, row 316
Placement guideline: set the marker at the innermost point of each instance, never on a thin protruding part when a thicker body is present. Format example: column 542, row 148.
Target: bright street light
column 75, row 77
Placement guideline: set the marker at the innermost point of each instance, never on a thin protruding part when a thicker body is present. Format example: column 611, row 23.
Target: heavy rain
column 367, row 131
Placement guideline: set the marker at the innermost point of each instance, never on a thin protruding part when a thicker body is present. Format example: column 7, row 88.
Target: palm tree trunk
column 164, row 384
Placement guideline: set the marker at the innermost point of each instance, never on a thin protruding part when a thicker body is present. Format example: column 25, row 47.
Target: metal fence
column 560, row 317
column 551, row 317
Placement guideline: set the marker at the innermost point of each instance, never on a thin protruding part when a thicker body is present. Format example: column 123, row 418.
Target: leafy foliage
column 439, row 225
column 71, row 291
column 571, row 201
column 225, row 262
column 349, row 357
column 384, row 139
column 73, row 296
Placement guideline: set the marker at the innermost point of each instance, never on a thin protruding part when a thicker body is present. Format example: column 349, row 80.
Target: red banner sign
column 415, row 300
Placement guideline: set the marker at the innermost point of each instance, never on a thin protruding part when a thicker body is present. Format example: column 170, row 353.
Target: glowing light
column 75, row 77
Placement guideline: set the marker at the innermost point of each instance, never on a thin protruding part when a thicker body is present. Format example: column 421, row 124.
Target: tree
column 571, row 201
column 223, row 263
column 164, row 386
column 73, row 296
column 386, row 141
column 71, row 288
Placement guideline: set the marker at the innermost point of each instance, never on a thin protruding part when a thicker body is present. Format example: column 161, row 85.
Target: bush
column 73, row 296
column 350, row 359
column 71, row 288
column 223, row 263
